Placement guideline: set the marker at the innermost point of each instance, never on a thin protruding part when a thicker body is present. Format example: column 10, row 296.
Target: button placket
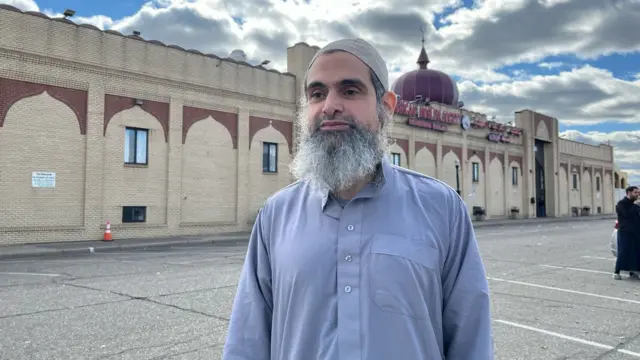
column 349, row 280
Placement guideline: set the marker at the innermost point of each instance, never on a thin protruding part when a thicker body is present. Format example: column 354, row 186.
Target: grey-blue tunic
column 396, row 274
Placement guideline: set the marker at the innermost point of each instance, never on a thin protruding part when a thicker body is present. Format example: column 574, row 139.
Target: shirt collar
column 383, row 175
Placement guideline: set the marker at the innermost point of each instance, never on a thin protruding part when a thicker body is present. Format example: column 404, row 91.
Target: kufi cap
column 363, row 51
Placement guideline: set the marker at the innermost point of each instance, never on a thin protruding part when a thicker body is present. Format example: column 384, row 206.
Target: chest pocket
column 403, row 274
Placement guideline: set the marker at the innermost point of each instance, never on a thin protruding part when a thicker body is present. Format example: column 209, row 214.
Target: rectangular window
column 514, row 176
column 133, row 214
column 270, row 157
column 395, row 159
column 575, row 181
column 475, row 174
column 136, row 146
column 598, row 184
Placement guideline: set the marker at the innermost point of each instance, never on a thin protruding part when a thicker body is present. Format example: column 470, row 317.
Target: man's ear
column 390, row 100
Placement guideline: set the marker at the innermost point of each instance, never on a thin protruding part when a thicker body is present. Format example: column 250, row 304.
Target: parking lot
column 552, row 295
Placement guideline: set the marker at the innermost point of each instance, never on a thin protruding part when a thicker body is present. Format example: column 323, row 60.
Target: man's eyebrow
column 356, row 82
column 344, row 82
column 316, row 84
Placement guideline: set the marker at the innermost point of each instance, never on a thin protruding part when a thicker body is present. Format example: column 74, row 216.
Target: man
column 628, row 258
column 358, row 259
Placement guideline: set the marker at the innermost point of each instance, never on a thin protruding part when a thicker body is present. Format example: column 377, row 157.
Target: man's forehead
column 336, row 67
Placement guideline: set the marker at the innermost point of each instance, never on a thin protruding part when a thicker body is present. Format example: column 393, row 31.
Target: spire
column 423, row 59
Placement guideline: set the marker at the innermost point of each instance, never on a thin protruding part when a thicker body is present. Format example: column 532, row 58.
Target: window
column 270, row 157
column 598, row 184
column 475, row 174
column 395, row 159
column 575, row 181
column 132, row 214
column 136, row 146
column 514, row 176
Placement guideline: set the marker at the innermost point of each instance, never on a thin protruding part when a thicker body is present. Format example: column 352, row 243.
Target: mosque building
column 98, row 126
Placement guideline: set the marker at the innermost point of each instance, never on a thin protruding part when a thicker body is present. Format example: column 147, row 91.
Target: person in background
column 628, row 257
column 358, row 259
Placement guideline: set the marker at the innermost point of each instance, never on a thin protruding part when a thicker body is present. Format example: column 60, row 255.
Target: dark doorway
column 541, row 210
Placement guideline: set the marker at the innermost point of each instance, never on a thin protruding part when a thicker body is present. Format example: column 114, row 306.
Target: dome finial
column 423, row 59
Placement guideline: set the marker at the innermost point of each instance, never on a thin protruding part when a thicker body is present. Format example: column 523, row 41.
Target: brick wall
column 202, row 176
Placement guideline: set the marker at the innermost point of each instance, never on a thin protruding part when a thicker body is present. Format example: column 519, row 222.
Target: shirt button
column 348, row 258
column 347, row 289
column 350, row 227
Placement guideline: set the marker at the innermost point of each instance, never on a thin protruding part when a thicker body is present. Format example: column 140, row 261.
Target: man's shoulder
column 425, row 185
column 290, row 192
column 623, row 201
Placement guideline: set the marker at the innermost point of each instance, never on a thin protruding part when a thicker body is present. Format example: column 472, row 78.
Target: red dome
column 430, row 84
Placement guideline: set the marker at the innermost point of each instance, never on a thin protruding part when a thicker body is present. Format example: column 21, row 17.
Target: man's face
column 633, row 195
column 341, row 137
column 339, row 87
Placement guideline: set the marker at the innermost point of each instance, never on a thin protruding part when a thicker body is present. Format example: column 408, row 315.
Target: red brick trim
column 500, row 156
column 191, row 115
column 518, row 159
column 433, row 148
column 404, row 145
column 565, row 166
column 12, row 91
column 547, row 121
column 456, row 150
column 257, row 123
column 479, row 153
column 114, row 104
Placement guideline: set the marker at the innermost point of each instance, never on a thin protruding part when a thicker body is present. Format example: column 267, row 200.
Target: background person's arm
column 467, row 306
column 249, row 335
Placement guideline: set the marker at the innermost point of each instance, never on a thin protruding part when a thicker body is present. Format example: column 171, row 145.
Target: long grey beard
column 335, row 161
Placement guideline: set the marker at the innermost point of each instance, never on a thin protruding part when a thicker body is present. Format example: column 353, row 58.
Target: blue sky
column 114, row 9
column 558, row 60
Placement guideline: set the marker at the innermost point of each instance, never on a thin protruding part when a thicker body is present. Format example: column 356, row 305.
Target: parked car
column 614, row 240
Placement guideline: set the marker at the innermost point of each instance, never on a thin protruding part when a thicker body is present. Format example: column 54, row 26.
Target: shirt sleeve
column 467, row 329
column 622, row 210
column 249, row 334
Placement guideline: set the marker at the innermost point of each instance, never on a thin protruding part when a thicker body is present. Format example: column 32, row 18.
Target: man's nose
column 332, row 105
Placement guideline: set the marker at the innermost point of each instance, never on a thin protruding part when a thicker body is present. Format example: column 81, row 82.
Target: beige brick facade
column 69, row 93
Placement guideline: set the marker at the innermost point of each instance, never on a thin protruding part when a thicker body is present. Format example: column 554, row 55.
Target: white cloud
column 24, row 5
column 580, row 96
column 470, row 43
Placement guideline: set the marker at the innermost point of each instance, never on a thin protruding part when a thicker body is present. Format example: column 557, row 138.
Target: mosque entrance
column 541, row 210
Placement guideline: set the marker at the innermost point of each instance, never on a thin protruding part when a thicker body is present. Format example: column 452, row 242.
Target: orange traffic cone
column 107, row 232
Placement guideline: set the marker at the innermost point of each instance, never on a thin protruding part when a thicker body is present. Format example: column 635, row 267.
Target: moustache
column 347, row 120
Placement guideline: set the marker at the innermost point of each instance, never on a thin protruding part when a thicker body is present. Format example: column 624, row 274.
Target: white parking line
column 570, row 338
column 502, row 233
column 599, row 258
column 28, row 274
column 577, row 269
column 565, row 290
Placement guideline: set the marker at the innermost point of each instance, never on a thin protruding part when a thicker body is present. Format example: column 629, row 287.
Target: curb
column 117, row 247
column 482, row 224
column 234, row 239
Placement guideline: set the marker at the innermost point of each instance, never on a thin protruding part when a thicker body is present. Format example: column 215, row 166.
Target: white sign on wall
column 43, row 179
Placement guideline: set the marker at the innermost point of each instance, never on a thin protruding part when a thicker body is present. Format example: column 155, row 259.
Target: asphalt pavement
column 552, row 298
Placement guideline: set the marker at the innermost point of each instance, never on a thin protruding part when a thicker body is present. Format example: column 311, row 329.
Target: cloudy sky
column 577, row 60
